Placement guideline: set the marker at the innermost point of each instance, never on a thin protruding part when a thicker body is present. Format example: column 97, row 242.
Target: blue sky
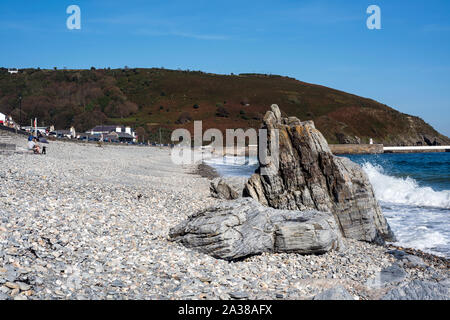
column 405, row 65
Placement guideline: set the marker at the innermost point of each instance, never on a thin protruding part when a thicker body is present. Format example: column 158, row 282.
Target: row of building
column 107, row 133
column 113, row 133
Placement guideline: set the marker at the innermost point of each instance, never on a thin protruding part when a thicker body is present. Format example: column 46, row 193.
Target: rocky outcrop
column 227, row 188
column 419, row 290
column 345, row 139
column 310, row 177
column 408, row 260
column 236, row 229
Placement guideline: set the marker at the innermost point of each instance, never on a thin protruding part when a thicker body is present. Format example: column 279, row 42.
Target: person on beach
column 33, row 146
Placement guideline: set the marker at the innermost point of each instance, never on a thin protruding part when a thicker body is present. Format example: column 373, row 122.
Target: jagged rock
column 309, row 176
column 345, row 139
column 414, row 261
column 236, row 229
column 430, row 141
column 227, row 188
column 398, row 254
column 419, row 290
column 408, row 259
column 336, row 293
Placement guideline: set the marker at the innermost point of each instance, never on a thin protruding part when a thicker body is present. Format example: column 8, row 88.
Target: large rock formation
column 310, row 177
column 420, row 290
column 236, row 229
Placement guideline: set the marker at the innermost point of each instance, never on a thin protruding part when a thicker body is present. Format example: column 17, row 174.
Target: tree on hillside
column 222, row 112
column 87, row 120
column 121, row 109
column 185, row 117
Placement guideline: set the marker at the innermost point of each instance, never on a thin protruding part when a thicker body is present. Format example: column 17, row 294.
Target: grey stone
column 398, row 254
column 393, row 273
column 236, row 229
column 4, row 296
column 4, row 289
column 11, row 275
column 414, row 261
column 23, row 286
column 118, row 283
column 310, row 177
column 408, row 259
column 240, row 295
column 227, row 188
column 336, row 293
column 419, row 290
column 388, row 276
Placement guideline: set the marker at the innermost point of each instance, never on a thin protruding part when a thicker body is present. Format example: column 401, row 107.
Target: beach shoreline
column 90, row 222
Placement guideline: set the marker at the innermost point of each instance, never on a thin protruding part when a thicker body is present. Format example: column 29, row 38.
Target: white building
column 13, row 70
column 124, row 132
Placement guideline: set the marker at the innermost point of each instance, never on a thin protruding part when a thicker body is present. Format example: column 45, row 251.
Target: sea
column 413, row 190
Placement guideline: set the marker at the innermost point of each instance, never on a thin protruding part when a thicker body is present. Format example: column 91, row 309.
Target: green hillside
column 150, row 99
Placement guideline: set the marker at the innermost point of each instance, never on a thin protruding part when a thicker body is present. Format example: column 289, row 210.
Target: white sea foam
column 404, row 190
column 426, row 241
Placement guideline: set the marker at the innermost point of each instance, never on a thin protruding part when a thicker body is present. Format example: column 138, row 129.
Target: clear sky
column 405, row 65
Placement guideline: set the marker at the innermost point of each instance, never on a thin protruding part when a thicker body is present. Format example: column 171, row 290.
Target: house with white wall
column 124, row 134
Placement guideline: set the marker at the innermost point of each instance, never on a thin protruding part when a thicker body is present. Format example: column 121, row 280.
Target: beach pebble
column 73, row 227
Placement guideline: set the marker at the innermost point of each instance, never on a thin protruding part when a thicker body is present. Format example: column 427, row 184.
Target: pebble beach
column 91, row 222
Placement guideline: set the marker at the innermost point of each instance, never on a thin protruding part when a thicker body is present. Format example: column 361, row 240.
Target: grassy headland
column 150, row 99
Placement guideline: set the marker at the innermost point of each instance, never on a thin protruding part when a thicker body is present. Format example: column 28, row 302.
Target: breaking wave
column 405, row 191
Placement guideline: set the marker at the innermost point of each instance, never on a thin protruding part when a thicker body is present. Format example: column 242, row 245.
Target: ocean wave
column 404, row 190
column 427, row 242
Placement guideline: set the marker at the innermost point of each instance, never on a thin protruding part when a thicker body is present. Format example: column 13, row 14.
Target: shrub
column 184, row 118
column 222, row 112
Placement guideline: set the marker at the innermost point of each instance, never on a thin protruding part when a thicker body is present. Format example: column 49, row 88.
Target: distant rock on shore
column 310, row 177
